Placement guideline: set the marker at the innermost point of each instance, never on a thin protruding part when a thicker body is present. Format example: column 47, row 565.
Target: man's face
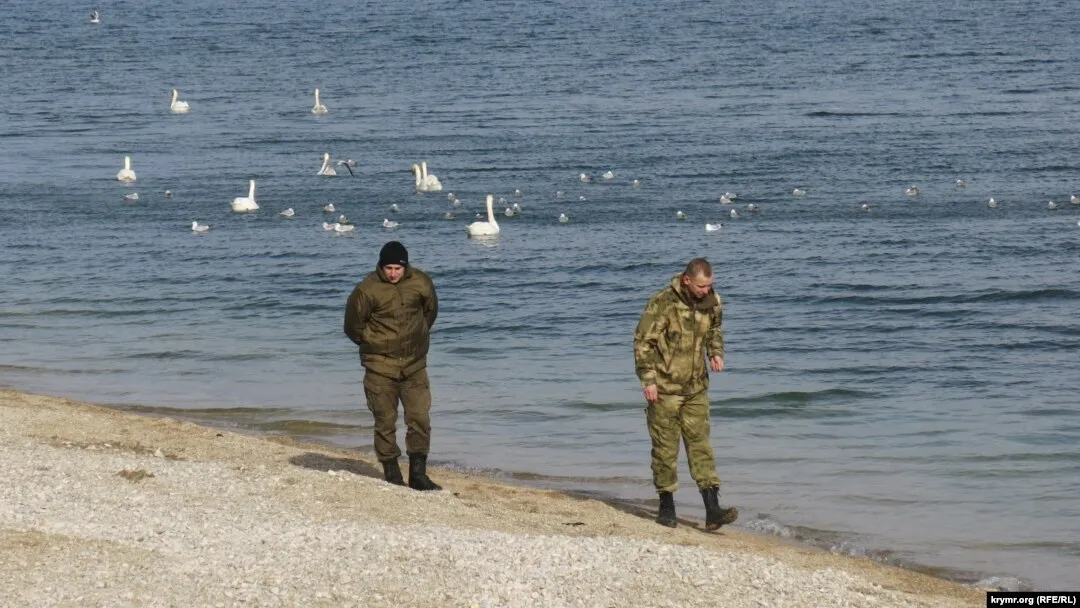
column 698, row 286
column 393, row 272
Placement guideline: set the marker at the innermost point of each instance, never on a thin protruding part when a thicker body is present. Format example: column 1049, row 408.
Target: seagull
column 912, row 191
column 961, row 183
column 448, row 216
column 394, row 208
column 450, row 197
column 584, row 178
column 344, row 221
column 752, row 208
column 329, row 208
column 134, row 196
column 94, row 18
column 502, row 200
column 608, row 176
column 866, row 207
column 679, row 215
column 730, row 195
column 343, row 227
column 582, row 198
column 197, row 227
column 386, row 223
column 288, row 212
column 734, row 214
column 509, row 212
column 636, row 183
column 1052, row 206
column 1074, row 199
column 516, row 207
column 798, row 192
column 517, row 193
column 563, row 219
column 168, row 194
column 559, row 194
column 348, row 164
column 992, row 203
column 458, row 203
column 329, row 227
column 725, row 199
column 712, row 227
column 318, row 108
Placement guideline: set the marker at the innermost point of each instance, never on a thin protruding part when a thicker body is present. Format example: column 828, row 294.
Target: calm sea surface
column 901, row 382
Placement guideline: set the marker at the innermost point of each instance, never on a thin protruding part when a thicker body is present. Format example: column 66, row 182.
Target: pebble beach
column 106, row 508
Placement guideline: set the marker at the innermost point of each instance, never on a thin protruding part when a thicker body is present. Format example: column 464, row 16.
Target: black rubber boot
column 714, row 515
column 418, row 479
column 392, row 472
column 666, row 515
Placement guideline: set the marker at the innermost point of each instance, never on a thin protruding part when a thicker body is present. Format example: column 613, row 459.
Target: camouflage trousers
column 383, row 395
column 674, row 417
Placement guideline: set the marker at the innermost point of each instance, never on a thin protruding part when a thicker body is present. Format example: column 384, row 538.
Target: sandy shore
column 105, row 508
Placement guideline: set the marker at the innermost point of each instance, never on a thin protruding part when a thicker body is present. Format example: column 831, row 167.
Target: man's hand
column 650, row 393
column 716, row 363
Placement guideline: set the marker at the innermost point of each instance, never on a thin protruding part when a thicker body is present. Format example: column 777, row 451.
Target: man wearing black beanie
column 389, row 316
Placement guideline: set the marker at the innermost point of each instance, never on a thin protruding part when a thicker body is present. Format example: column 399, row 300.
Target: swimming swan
column 488, row 228
column 387, row 223
column 197, row 227
column 430, row 183
column 344, row 227
column 126, row 175
column 326, row 169
column 725, row 199
column 134, row 196
column 242, row 204
column 318, row 108
column 178, row 107
column 712, row 227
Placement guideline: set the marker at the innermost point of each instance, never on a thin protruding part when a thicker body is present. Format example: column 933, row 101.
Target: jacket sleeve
column 357, row 313
column 646, row 338
column 714, row 345
column 431, row 304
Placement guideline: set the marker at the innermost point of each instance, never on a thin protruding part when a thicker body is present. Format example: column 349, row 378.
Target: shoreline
column 197, row 502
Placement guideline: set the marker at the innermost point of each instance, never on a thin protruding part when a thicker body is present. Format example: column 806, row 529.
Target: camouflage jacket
column 391, row 323
column 673, row 338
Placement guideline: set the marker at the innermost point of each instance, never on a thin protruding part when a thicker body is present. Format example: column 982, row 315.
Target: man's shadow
column 322, row 462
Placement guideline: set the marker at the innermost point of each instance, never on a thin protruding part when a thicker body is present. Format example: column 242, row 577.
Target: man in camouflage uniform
column 389, row 316
column 680, row 327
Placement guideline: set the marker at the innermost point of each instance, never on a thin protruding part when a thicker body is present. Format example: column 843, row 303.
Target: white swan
column 197, row 227
column 563, row 219
column 992, row 203
column 488, row 228
column 344, row 227
column 134, row 196
column 94, row 18
column 326, row 169
column 679, row 215
column 318, row 108
column 386, row 223
column 288, row 212
column 178, row 107
column 725, row 199
column 798, row 192
column 430, row 182
column 126, row 175
column 329, row 208
column 912, row 191
column 712, row 227
column 242, row 204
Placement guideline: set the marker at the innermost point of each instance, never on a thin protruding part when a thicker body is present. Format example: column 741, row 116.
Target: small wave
column 830, row 114
column 799, row 397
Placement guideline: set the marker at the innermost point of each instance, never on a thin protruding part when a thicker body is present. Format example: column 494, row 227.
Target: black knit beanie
column 393, row 253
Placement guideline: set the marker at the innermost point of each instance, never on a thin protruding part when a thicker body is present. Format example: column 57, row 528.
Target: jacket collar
column 709, row 302
column 382, row 275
